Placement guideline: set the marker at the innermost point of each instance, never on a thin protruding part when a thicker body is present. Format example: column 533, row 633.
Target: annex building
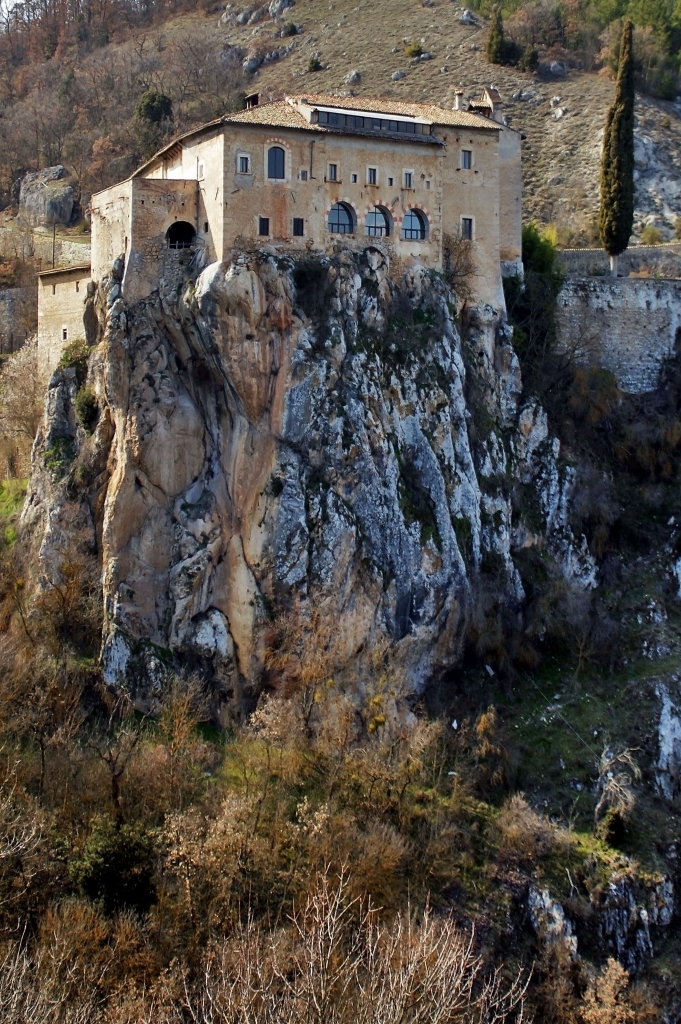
column 311, row 172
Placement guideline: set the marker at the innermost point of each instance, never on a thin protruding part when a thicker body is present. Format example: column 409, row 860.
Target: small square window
column 466, row 159
column 263, row 225
column 391, row 181
column 427, row 184
column 354, row 179
column 64, row 334
column 372, row 176
column 244, row 164
column 408, row 179
column 467, row 228
column 303, row 175
column 298, row 227
column 333, row 172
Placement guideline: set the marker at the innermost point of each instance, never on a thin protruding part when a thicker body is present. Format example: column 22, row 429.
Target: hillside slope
column 561, row 116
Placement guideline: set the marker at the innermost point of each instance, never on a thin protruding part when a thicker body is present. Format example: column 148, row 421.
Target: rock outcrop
column 295, row 436
column 47, row 197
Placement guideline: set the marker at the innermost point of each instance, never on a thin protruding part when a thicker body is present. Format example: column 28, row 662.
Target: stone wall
column 628, row 325
column 38, row 245
column 61, row 304
column 18, row 317
column 640, row 260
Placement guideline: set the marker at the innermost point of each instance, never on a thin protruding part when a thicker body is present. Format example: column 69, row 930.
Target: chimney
column 252, row 100
column 458, row 99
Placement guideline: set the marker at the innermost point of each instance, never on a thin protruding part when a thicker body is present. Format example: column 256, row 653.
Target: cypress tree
column 616, row 218
column 495, row 39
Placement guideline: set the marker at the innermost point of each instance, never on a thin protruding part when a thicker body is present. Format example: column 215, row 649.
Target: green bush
column 116, row 867
column 314, row 64
column 75, row 356
column 651, row 235
column 413, row 48
column 87, row 408
column 154, row 107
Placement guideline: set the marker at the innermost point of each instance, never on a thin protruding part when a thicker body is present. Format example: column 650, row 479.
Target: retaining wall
column 629, row 325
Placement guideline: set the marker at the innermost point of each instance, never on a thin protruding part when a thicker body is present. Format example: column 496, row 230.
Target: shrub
column 413, row 48
column 154, row 107
column 87, row 408
column 115, row 869
column 290, row 29
column 76, row 355
column 651, row 235
column 314, row 64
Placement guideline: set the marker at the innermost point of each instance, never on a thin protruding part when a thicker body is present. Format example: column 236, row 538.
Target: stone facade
column 628, row 325
column 61, row 305
column 459, row 170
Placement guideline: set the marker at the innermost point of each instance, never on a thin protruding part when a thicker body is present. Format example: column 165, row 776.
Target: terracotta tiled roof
column 425, row 111
column 278, row 115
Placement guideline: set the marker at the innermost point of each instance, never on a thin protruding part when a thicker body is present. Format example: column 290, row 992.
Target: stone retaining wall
column 642, row 260
column 629, row 325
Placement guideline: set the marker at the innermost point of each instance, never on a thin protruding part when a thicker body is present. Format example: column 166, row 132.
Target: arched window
column 180, row 235
column 414, row 225
column 341, row 219
column 276, row 163
column 378, row 222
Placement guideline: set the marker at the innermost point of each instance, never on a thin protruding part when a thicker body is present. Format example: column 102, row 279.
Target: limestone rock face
column 47, row 197
column 291, row 436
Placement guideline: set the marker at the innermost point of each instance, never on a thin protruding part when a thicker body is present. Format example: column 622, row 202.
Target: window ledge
column 333, row 181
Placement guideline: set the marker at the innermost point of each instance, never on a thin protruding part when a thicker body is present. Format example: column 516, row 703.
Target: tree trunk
column 613, row 266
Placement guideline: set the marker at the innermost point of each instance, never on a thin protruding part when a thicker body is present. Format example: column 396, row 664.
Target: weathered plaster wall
column 510, row 198
column 61, row 304
column 628, row 325
column 111, row 226
column 17, row 317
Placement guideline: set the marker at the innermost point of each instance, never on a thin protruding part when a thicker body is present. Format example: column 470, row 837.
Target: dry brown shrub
column 523, row 834
column 605, row 1000
column 22, row 389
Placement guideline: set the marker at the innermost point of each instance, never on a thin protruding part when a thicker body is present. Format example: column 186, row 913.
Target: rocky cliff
column 294, row 438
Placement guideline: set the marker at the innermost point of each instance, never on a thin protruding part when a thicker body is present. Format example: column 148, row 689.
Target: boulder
column 397, row 76
column 47, row 197
column 352, row 77
column 277, row 7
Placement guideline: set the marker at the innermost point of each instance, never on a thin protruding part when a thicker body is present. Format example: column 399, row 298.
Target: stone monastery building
column 309, row 172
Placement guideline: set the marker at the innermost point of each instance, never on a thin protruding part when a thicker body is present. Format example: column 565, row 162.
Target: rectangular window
column 466, row 159
column 408, row 179
column 354, row 179
column 263, row 225
column 467, row 228
column 427, row 184
column 54, row 289
column 244, row 165
column 391, row 181
column 333, row 172
column 298, row 227
column 77, row 286
column 372, row 177
column 64, row 334
column 303, row 175
column 200, row 170
column 205, row 227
